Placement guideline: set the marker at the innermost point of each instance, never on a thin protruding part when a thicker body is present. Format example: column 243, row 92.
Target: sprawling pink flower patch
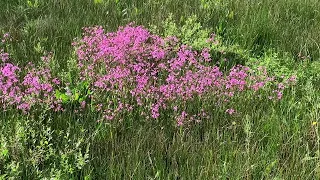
column 139, row 69
column 24, row 91
column 134, row 71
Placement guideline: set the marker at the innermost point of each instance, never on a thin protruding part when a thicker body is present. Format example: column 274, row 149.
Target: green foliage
column 287, row 26
column 276, row 65
column 33, row 4
column 76, row 94
column 32, row 149
column 191, row 33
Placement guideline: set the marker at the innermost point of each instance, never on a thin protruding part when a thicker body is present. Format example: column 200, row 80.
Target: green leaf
column 5, row 152
column 64, row 98
column 38, row 48
column 81, row 99
column 29, row 3
column 76, row 96
column 57, row 94
column 98, row 1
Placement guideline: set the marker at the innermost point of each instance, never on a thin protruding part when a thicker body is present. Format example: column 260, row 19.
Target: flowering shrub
column 132, row 68
column 135, row 70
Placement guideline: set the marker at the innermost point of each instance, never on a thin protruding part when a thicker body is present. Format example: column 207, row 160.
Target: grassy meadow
column 194, row 89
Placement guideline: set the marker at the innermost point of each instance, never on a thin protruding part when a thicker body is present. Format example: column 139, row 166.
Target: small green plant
column 191, row 33
column 33, row 3
column 46, row 153
column 77, row 94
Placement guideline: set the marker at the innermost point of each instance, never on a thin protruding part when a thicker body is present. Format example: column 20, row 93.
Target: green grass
column 266, row 140
column 288, row 26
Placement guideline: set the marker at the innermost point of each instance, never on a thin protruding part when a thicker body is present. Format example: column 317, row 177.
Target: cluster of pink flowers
column 132, row 68
column 24, row 88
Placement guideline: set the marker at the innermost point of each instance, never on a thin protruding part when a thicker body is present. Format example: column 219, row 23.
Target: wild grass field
column 159, row 89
